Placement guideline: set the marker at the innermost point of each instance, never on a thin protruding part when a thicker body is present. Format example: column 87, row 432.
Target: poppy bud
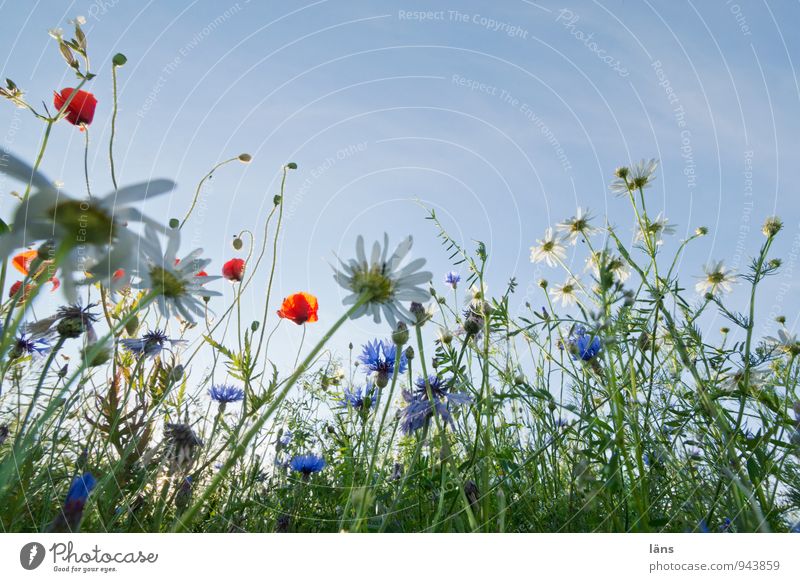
column 237, row 243
column 176, row 374
column 174, row 223
column 400, row 334
column 409, row 353
column 119, row 60
column 132, row 325
column 245, row 158
column 97, row 359
column 291, row 166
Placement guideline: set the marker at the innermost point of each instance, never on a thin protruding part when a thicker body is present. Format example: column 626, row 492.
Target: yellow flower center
column 373, row 283
column 83, row 223
column 166, row 283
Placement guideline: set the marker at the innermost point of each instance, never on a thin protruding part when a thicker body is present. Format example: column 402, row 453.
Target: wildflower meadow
column 138, row 395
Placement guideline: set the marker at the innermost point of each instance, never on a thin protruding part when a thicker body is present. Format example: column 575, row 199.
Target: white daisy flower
column 92, row 234
column 578, row 226
column 477, row 293
column 566, row 293
column 639, row 176
column 718, row 278
column 656, row 229
column 385, row 281
column 548, row 249
column 177, row 282
column 614, row 263
column 785, row 342
column 758, row 379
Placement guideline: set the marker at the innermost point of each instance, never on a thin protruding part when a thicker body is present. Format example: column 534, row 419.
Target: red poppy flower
column 300, row 308
column 80, row 110
column 22, row 263
column 118, row 274
column 15, row 288
column 233, row 270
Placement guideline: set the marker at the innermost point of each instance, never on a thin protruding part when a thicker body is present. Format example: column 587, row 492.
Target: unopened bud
column 400, row 334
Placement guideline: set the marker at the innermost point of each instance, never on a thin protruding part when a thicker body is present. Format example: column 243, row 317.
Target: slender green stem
column 241, row 447
column 200, row 187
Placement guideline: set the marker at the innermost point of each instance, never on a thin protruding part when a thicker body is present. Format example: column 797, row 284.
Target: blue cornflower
column 420, row 408
column 28, row 346
column 286, row 437
column 80, row 489
column 584, row 345
column 307, row 464
column 71, row 514
column 224, row 393
column 358, row 398
column 150, row 344
column 452, row 278
column 726, row 525
column 378, row 356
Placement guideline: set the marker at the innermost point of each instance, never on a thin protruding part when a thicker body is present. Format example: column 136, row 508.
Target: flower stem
column 240, row 448
column 200, row 186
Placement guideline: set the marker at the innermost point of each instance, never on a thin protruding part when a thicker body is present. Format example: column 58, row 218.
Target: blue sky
column 503, row 116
